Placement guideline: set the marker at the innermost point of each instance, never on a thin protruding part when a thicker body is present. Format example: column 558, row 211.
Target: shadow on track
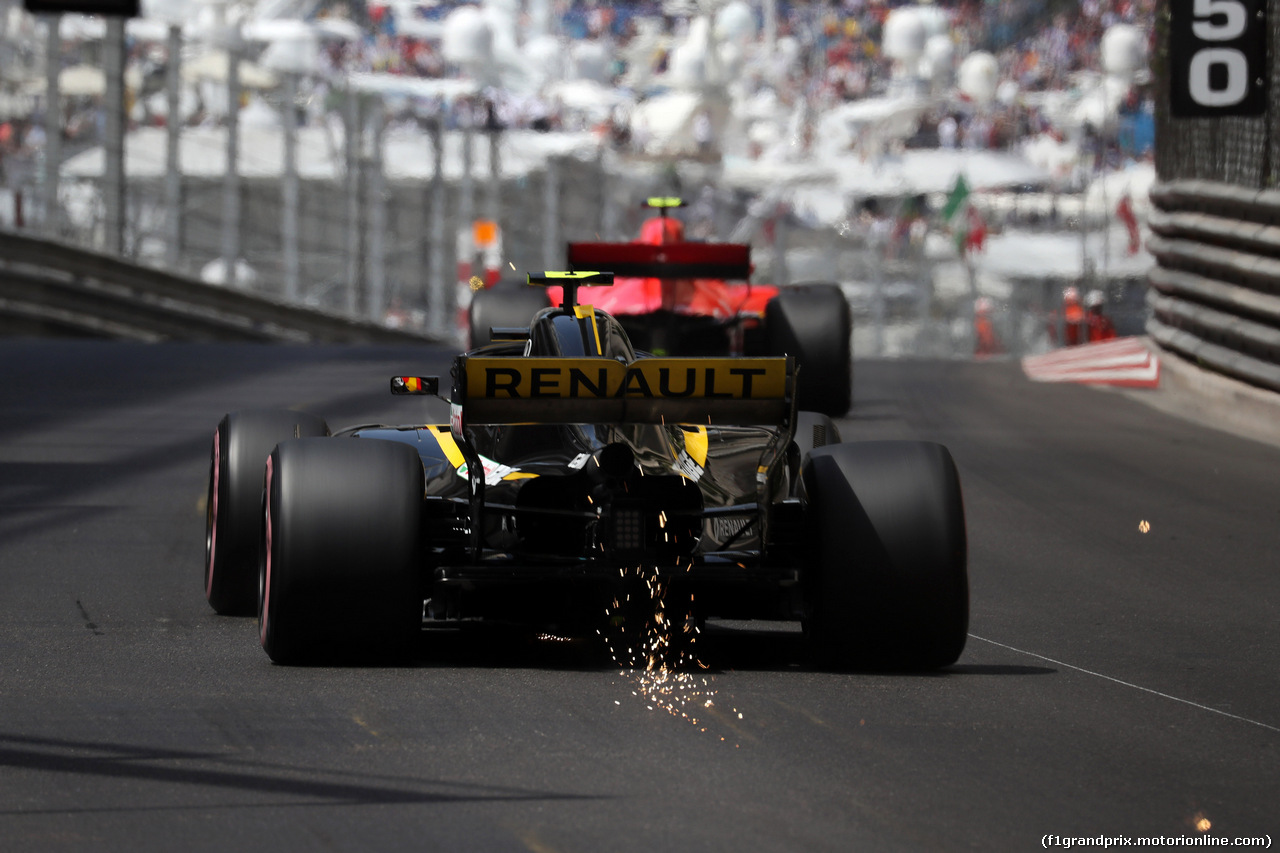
column 998, row 669
column 124, row 761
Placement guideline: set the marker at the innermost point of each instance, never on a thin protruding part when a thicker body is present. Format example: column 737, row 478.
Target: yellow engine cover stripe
column 582, row 312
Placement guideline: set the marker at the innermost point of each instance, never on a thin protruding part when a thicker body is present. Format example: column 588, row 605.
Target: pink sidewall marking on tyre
column 213, row 510
column 265, row 610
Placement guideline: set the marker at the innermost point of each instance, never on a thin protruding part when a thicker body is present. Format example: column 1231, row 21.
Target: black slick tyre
column 814, row 323
column 505, row 305
column 887, row 579
column 341, row 551
column 233, row 507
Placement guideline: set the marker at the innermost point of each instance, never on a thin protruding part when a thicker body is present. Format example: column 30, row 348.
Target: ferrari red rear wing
column 729, row 261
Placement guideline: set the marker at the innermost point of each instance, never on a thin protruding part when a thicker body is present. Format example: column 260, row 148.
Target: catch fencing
column 353, row 201
column 390, row 243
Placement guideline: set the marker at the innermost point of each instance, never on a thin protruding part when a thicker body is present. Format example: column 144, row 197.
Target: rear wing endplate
column 730, row 261
column 489, row 390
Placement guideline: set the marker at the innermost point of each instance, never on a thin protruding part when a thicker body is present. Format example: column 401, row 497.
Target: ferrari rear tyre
column 341, row 551
column 506, row 305
column 814, row 323
column 233, row 507
column 887, row 584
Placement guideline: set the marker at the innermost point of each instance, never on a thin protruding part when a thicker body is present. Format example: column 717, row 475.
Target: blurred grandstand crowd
column 1039, row 46
column 835, row 55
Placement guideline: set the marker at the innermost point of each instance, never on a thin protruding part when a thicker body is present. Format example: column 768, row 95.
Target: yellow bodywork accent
column 450, row 447
column 582, row 312
column 695, row 443
column 453, row 453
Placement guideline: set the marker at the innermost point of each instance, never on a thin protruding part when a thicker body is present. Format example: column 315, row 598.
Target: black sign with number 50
column 1218, row 57
column 122, row 8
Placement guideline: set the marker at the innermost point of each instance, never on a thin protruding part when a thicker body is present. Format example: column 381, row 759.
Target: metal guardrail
column 58, row 288
column 1215, row 293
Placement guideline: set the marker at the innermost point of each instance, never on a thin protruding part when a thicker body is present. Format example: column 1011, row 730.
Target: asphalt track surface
column 1117, row 683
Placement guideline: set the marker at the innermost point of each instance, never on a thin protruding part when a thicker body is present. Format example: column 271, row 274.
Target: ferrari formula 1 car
column 588, row 489
column 677, row 297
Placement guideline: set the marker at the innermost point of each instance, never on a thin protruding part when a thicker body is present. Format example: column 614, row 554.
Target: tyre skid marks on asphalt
column 359, row 721
column 1124, row 683
column 796, row 709
column 88, row 622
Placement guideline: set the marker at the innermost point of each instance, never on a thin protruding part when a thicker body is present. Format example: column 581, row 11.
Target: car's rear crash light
column 628, row 530
column 659, row 519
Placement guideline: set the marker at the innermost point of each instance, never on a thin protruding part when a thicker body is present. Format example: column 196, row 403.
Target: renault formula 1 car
column 678, row 297
column 594, row 489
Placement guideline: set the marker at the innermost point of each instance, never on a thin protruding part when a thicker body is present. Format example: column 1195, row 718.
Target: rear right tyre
column 887, row 580
column 341, row 551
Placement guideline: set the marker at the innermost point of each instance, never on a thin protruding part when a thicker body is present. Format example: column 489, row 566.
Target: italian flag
column 966, row 224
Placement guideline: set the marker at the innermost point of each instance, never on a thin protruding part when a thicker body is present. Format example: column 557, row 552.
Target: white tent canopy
column 214, row 66
column 76, row 81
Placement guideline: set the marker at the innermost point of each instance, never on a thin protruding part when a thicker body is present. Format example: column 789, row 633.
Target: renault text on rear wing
column 604, row 390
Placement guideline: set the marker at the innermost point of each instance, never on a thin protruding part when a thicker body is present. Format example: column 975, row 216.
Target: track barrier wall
column 1215, row 294
column 51, row 287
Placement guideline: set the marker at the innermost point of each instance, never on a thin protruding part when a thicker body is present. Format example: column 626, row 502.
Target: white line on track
column 1129, row 684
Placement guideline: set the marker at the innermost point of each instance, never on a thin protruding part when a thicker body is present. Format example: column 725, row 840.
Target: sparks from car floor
column 651, row 655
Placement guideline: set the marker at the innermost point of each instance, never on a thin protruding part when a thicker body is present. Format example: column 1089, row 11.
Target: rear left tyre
column 341, row 551
column 233, row 506
column 887, row 579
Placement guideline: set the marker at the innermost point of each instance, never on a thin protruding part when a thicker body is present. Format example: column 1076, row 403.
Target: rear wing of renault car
column 498, row 390
column 573, row 390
